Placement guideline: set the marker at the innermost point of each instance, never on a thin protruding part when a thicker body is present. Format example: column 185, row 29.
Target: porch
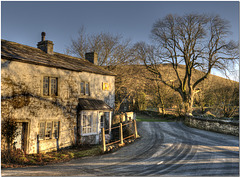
column 93, row 115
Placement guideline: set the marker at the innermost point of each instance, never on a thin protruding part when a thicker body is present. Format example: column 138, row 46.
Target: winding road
column 165, row 148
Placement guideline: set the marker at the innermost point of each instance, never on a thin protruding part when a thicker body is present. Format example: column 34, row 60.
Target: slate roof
column 27, row 54
column 92, row 104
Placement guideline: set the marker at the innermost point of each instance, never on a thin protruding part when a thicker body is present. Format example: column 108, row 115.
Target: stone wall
column 91, row 139
column 122, row 117
column 215, row 125
column 22, row 99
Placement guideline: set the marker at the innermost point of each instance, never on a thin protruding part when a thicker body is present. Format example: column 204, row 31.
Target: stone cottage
column 57, row 100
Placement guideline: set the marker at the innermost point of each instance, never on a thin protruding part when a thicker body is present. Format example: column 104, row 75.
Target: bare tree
column 128, row 84
column 192, row 41
column 226, row 97
column 112, row 50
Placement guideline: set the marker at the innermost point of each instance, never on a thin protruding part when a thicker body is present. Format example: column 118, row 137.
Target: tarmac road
column 165, row 148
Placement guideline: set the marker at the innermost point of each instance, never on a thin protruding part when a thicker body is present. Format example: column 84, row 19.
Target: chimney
column 92, row 57
column 45, row 45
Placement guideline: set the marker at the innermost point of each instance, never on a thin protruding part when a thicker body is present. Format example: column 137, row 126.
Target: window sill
column 46, row 96
column 88, row 134
column 84, row 96
column 47, row 140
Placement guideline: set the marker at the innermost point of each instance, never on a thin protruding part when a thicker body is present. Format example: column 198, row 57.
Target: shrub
column 9, row 131
column 71, row 155
column 31, row 162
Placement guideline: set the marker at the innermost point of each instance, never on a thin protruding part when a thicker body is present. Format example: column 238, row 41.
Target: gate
column 131, row 125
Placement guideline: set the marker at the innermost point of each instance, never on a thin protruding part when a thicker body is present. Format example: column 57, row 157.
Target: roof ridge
column 25, row 53
column 20, row 44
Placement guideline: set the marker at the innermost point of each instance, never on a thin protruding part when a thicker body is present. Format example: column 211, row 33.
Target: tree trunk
column 188, row 104
column 202, row 108
column 9, row 147
column 163, row 111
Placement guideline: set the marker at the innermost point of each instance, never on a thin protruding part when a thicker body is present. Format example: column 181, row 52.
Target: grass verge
column 159, row 118
column 18, row 158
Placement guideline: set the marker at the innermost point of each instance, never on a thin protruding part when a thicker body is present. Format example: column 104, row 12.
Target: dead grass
column 17, row 158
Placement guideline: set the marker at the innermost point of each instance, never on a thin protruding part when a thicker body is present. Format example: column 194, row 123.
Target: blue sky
column 23, row 22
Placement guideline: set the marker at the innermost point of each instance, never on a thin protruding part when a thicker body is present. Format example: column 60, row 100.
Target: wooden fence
column 121, row 137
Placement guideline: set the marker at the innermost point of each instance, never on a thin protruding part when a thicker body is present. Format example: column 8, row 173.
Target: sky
column 23, row 21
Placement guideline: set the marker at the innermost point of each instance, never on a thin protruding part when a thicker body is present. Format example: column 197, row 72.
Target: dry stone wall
column 21, row 97
column 216, row 125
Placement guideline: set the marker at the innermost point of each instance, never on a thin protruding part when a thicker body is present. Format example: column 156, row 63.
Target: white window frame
column 89, row 114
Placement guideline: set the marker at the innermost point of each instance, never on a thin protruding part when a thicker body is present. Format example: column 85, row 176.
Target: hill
column 137, row 88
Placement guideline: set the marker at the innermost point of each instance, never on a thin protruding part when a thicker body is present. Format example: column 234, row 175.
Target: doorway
column 20, row 142
column 104, row 120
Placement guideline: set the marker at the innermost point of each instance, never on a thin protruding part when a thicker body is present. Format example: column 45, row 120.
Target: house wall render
column 22, row 97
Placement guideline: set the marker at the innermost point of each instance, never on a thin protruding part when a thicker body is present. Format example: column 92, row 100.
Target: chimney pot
column 43, row 36
column 45, row 45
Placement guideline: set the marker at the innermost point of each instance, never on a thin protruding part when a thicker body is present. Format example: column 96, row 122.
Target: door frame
column 26, row 139
column 100, row 114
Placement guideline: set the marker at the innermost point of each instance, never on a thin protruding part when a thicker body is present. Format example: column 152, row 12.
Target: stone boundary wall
column 215, row 125
column 124, row 116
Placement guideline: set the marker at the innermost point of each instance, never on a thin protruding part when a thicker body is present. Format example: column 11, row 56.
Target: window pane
column 41, row 130
column 89, row 120
column 94, row 124
column 82, row 88
column 84, row 120
column 48, row 130
column 102, row 122
column 84, row 124
column 106, row 115
column 46, row 86
column 87, row 88
column 54, row 85
column 55, row 129
column 87, row 124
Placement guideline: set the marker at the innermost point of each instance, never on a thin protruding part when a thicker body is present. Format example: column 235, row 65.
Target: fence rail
column 120, row 141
